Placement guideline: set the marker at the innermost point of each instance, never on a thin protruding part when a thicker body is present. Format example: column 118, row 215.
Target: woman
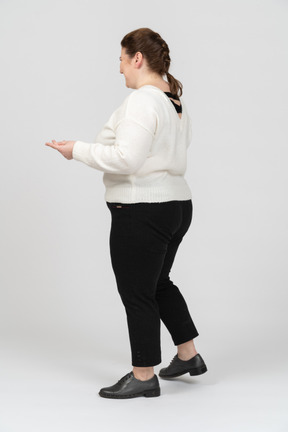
column 142, row 152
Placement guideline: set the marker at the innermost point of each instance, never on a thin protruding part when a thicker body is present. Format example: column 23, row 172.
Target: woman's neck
column 156, row 82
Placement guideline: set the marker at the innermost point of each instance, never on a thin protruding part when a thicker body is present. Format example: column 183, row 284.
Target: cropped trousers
column 144, row 239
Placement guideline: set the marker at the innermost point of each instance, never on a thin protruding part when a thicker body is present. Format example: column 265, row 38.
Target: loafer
column 177, row 367
column 130, row 387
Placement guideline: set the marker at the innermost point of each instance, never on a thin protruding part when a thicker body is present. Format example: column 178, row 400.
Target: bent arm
column 128, row 153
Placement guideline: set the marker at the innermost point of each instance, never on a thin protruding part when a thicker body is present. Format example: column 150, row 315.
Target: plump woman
column 142, row 151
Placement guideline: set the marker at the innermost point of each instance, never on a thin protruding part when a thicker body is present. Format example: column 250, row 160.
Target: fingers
column 59, row 142
column 54, row 144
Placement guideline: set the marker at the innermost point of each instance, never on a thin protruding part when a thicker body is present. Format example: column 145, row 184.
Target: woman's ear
column 138, row 59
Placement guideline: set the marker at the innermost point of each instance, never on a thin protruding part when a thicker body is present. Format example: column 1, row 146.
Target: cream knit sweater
column 142, row 149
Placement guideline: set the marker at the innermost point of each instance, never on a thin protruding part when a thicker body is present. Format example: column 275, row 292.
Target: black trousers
column 144, row 239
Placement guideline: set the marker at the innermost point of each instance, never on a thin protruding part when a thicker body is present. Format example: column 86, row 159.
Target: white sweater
column 142, row 149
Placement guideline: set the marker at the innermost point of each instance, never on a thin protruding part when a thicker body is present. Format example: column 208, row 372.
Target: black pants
column 144, row 239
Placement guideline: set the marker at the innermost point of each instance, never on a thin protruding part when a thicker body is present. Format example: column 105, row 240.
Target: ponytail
column 175, row 85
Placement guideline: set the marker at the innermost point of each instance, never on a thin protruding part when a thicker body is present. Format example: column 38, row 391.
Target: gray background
column 63, row 327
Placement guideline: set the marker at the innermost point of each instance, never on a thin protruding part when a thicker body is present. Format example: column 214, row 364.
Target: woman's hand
column 64, row 147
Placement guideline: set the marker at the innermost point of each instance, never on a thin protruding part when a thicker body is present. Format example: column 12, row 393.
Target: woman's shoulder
column 145, row 92
column 148, row 97
column 141, row 98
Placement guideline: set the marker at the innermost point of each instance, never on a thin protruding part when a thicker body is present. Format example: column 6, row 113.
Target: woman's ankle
column 186, row 350
column 143, row 373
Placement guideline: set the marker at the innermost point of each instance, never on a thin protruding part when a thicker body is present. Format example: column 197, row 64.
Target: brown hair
column 156, row 52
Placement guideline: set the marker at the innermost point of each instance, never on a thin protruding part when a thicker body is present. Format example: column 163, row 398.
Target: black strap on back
column 174, row 96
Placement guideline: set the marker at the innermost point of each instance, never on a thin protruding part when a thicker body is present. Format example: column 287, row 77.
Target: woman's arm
column 132, row 145
column 128, row 153
column 134, row 135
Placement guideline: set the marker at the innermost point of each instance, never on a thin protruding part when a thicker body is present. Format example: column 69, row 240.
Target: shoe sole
column 147, row 393
column 192, row 372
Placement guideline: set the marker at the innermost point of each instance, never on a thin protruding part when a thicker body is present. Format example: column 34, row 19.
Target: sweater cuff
column 80, row 150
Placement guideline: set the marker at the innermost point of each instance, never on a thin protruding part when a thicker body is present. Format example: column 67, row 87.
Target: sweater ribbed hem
column 130, row 195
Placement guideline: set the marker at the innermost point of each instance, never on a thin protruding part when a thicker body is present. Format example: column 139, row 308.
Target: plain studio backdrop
column 63, row 327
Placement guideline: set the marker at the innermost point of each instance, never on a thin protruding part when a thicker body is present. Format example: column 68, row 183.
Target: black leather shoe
column 129, row 387
column 177, row 367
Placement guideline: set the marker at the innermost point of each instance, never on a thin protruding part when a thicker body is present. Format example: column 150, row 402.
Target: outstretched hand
column 64, row 147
